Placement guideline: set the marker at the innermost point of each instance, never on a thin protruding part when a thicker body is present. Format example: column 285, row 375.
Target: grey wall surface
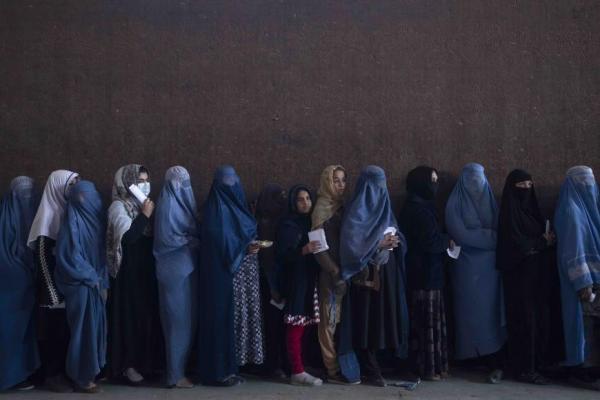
column 282, row 88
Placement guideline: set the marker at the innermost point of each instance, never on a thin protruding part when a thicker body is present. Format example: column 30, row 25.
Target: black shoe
column 231, row 381
column 58, row 384
column 88, row 390
column 533, row 378
column 374, row 380
column 341, row 380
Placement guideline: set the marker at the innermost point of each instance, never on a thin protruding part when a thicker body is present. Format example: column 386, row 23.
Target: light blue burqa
column 176, row 241
column 472, row 220
column 577, row 222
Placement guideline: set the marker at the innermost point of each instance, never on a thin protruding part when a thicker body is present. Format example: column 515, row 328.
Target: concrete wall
column 282, row 88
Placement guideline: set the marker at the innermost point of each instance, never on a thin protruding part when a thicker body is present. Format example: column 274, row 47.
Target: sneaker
column 341, row 380
column 133, row 377
column 305, row 379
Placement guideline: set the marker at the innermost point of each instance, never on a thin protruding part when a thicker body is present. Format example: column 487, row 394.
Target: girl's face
column 339, row 181
column 303, row 202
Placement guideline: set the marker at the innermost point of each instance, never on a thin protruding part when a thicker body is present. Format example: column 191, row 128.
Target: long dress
column 426, row 248
column 135, row 334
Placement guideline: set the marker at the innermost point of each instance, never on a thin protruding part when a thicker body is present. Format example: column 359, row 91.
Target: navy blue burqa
column 228, row 227
column 18, row 347
column 81, row 274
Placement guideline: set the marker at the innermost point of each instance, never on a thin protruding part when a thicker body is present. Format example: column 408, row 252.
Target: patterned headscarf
column 123, row 210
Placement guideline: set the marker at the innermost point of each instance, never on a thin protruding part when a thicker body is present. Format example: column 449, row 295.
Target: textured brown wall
column 282, row 88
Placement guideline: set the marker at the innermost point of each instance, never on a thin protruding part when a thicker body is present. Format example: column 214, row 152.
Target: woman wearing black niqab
column 521, row 240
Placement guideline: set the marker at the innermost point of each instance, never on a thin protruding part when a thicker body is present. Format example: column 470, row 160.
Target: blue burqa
column 577, row 222
column 18, row 346
column 81, row 274
column 176, row 241
column 365, row 220
column 472, row 221
column 228, row 227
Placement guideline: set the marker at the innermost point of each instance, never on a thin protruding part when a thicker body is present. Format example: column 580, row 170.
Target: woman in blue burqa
column 176, row 241
column 230, row 331
column 373, row 258
column 577, row 222
column 82, row 276
column 472, row 221
column 18, row 347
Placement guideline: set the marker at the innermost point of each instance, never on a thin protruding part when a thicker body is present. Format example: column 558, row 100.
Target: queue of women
column 190, row 295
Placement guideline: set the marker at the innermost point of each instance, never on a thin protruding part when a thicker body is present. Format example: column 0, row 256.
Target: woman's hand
column 451, row 245
column 585, row 294
column 550, row 238
column 389, row 242
column 311, row 247
column 253, row 248
column 148, row 208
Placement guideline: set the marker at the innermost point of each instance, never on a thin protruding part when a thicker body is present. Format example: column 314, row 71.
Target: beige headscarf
column 328, row 201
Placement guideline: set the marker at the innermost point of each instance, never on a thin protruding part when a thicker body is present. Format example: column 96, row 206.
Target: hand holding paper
column 318, row 235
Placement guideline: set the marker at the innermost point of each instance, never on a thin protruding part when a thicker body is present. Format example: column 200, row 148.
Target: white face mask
column 144, row 187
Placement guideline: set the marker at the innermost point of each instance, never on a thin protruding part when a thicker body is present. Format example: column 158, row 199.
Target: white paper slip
column 141, row 197
column 389, row 229
column 318, row 235
column 454, row 253
column 278, row 305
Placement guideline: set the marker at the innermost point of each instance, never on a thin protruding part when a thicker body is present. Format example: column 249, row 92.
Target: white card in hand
column 141, row 197
column 318, row 235
column 454, row 253
column 389, row 229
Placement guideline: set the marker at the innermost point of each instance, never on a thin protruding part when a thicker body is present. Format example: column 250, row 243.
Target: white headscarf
column 52, row 206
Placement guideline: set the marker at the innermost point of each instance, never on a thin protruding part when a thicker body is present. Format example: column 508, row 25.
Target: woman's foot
column 133, row 377
column 305, row 379
column 58, row 384
column 184, row 383
column 231, row 381
column 341, row 380
column 374, row 380
column 90, row 388
column 24, row 386
column 495, row 376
